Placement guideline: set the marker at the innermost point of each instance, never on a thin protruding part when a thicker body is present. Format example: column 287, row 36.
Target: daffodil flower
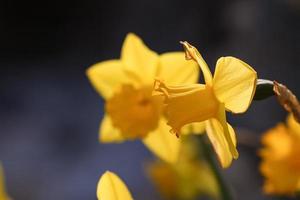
column 3, row 194
column 232, row 89
column 111, row 187
column 131, row 110
column 280, row 158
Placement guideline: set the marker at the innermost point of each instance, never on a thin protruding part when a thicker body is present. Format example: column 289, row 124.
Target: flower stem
column 225, row 193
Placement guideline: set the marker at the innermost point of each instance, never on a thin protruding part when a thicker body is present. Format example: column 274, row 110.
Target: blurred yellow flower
column 111, row 187
column 126, row 85
column 232, row 88
column 281, row 158
column 3, row 195
column 188, row 179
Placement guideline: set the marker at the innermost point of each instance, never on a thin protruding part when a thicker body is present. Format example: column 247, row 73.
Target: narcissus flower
column 126, row 85
column 189, row 178
column 111, row 187
column 232, row 88
column 281, row 158
column 3, row 194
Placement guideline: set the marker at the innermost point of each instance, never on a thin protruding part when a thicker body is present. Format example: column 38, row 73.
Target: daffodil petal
column 162, row 143
column 139, row 59
column 106, row 77
column 222, row 137
column 229, row 136
column 108, row 133
column 234, row 84
column 192, row 53
column 174, row 69
column 215, row 133
column 111, row 187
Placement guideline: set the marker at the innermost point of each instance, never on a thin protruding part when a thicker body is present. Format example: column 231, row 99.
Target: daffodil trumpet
column 230, row 89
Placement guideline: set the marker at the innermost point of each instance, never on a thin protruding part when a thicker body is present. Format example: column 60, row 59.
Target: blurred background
column 50, row 114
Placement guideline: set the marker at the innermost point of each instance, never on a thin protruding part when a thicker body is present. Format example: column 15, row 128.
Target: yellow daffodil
column 232, row 89
column 111, row 187
column 281, row 158
column 188, row 179
column 126, row 85
column 3, row 195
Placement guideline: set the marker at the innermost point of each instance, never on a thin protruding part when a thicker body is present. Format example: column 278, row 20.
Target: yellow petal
column 228, row 133
column 106, row 77
column 111, row 187
column 162, row 143
column 222, row 136
column 175, row 70
column 109, row 133
column 234, row 84
column 192, row 53
column 215, row 133
column 139, row 59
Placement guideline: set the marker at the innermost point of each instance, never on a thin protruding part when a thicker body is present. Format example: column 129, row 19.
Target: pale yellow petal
column 228, row 131
column 215, row 133
column 174, row 69
column 234, row 84
column 139, row 59
column 192, row 53
column 222, row 136
column 108, row 133
column 111, row 187
column 106, row 77
column 162, row 143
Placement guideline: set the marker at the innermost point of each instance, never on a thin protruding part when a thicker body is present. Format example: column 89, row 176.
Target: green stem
column 207, row 152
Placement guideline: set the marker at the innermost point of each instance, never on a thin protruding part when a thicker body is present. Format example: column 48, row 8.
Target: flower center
column 134, row 111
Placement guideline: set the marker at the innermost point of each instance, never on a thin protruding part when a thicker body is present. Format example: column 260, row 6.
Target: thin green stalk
column 207, row 152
